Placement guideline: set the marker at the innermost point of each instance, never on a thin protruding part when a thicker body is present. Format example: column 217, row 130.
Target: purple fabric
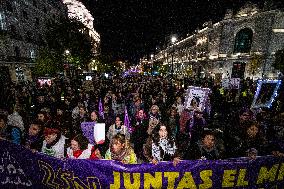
column 20, row 168
column 88, row 131
column 126, row 120
column 101, row 109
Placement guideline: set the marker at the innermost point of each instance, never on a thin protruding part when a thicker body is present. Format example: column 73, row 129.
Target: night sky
column 130, row 29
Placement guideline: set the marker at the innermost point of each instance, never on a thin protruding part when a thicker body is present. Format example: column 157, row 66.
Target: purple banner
column 20, row 168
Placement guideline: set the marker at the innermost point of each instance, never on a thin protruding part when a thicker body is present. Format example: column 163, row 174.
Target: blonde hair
column 156, row 107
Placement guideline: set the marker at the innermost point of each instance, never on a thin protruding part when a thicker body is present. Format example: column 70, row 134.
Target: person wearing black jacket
column 207, row 148
column 34, row 138
column 139, row 133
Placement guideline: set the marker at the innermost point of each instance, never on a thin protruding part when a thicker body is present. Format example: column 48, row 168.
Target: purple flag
column 101, row 109
column 126, row 120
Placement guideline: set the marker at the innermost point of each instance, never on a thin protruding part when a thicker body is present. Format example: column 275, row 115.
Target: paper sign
column 99, row 133
column 233, row 83
column 266, row 93
column 94, row 132
column 226, row 83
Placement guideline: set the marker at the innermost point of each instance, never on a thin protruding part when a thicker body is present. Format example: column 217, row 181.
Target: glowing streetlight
column 173, row 39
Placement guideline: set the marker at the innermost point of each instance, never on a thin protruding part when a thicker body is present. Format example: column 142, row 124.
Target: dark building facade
column 22, row 25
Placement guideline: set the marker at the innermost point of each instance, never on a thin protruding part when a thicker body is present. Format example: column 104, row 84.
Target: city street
column 141, row 94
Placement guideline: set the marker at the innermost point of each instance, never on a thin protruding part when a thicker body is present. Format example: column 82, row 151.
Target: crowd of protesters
column 48, row 119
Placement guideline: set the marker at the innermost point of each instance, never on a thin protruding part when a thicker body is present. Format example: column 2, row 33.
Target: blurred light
column 89, row 77
column 173, row 39
column 280, row 30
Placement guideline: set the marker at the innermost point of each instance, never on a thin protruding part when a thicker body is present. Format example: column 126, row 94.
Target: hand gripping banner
column 20, row 168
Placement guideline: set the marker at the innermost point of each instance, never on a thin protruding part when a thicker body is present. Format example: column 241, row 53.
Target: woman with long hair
column 161, row 146
column 116, row 128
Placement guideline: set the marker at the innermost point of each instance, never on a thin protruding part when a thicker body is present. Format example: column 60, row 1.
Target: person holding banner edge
column 81, row 149
column 161, row 146
column 120, row 150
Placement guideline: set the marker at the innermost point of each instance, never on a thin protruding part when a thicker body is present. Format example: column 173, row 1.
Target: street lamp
column 69, row 65
column 152, row 63
column 67, row 52
column 173, row 39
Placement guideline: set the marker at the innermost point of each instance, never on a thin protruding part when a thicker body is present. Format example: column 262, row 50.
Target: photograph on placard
column 266, row 93
column 196, row 98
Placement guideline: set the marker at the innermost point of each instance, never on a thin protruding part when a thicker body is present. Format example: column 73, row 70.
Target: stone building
column 77, row 10
column 241, row 45
column 22, row 25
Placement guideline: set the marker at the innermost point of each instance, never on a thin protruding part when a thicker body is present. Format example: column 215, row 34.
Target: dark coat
column 198, row 151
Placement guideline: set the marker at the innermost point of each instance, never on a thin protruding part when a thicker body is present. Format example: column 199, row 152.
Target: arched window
column 243, row 41
column 2, row 21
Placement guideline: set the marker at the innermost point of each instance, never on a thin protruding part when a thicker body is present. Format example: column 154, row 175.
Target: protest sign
column 235, row 83
column 197, row 94
column 94, row 132
column 231, row 83
column 266, row 93
column 100, row 132
column 20, row 168
column 226, row 83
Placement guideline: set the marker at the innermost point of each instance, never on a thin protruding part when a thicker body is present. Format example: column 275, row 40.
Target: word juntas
column 177, row 180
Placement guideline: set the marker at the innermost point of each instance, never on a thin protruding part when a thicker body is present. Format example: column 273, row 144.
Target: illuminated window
column 238, row 70
column 243, row 41
column 2, row 21
column 32, row 53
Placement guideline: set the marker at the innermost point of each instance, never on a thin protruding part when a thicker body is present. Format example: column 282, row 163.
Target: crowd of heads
column 48, row 119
